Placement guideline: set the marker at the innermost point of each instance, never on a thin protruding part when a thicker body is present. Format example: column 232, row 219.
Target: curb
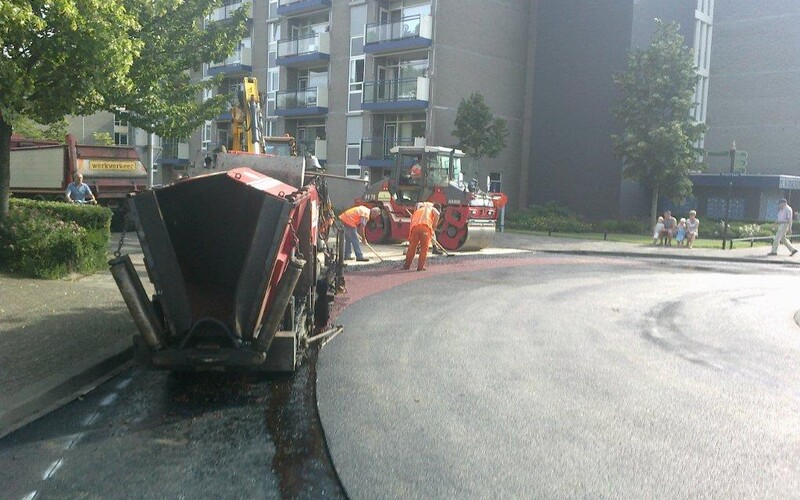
column 606, row 253
column 65, row 391
column 706, row 258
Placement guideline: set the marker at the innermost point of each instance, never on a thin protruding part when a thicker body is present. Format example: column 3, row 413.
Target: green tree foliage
column 163, row 98
column 26, row 127
column 75, row 57
column 659, row 137
column 59, row 57
column 480, row 134
column 103, row 138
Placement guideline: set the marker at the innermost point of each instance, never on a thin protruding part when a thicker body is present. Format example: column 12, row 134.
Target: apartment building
column 352, row 79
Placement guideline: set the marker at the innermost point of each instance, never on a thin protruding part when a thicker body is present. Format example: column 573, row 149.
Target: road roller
column 431, row 173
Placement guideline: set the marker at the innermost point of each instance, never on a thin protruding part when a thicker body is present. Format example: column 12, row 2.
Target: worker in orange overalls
column 423, row 223
column 355, row 220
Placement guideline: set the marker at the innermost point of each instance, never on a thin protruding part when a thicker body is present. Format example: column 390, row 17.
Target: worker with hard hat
column 423, row 223
column 355, row 220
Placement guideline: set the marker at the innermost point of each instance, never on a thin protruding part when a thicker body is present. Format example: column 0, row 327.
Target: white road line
column 123, row 384
column 108, row 400
column 52, row 469
column 90, row 419
column 73, row 440
column 31, row 495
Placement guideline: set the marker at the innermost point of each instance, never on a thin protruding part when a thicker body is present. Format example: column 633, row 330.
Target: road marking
column 31, row 495
column 124, row 383
column 73, row 440
column 108, row 400
column 52, row 469
column 91, row 419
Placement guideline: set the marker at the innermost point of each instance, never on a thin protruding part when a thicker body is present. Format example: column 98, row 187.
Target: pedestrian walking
column 783, row 221
column 423, row 222
column 355, row 220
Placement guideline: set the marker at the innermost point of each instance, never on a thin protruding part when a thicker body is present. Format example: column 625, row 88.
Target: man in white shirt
column 784, row 223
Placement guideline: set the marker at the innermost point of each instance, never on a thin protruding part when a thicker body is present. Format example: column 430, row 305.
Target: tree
column 480, row 134
column 103, row 138
column 59, row 57
column 76, row 57
column 659, row 139
column 26, row 127
column 163, row 99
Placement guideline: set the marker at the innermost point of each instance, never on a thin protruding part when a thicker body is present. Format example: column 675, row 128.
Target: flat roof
column 751, row 181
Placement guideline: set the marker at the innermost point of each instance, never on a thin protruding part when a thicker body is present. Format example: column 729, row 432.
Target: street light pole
column 730, row 193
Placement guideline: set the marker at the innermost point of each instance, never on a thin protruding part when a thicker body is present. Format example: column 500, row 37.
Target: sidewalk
column 511, row 242
column 59, row 339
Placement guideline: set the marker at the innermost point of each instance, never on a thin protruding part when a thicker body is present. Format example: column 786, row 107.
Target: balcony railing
column 396, row 94
column 407, row 27
column 313, row 100
column 242, row 57
column 379, row 148
column 295, row 7
column 316, row 147
column 227, row 11
column 316, row 43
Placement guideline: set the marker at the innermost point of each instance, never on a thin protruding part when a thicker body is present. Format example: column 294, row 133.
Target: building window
column 357, row 74
column 120, row 138
column 353, row 153
column 206, row 139
column 495, row 182
column 119, row 121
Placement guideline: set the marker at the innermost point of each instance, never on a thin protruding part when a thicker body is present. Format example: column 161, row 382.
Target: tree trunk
column 5, row 166
column 654, row 207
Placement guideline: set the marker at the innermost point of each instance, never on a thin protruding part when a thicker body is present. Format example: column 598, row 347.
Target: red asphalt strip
column 361, row 284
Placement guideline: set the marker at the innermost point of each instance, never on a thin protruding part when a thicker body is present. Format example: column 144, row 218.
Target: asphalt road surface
column 567, row 377
column 515, row 377
column 153, row 435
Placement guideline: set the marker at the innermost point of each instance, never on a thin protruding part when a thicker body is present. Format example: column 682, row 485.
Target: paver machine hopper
column 241, row 274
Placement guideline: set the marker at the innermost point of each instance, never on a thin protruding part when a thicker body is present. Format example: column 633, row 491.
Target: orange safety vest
column 352, row 216
column 424, row 216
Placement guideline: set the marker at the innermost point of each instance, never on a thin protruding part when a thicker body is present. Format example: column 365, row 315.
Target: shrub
column 714, row 230
column 44, row 239
column 624, row 226
column 550, row 217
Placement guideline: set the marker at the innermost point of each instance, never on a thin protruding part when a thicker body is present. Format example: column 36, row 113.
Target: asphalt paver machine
column 242, row 272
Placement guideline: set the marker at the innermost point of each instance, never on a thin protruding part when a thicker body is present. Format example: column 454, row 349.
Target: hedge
column 45, row 239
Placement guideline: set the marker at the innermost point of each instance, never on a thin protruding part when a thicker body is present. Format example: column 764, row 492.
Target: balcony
column 376, row 152
column 316, row 147
column 227, row 11
column 395, row 95
column 307, row 102
column 409, row 33
column 240, row 61
column 297, row 7
column 304, row 52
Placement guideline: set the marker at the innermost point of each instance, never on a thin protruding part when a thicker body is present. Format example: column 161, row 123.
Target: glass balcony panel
column 379, row 148
column 397, row 30
column 391, row 90
column 306, row 98
column 299, row 46
column 227, row 11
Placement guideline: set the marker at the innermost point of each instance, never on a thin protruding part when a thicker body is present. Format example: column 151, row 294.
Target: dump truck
column 242, row 270
column 432, row 173
column 43, row 169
